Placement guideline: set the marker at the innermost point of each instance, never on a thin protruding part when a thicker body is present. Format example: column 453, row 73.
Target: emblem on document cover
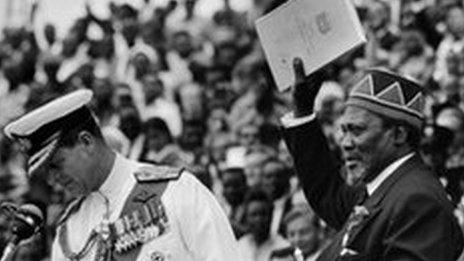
column 141, row 226
column 157, row 256
column 323, row 22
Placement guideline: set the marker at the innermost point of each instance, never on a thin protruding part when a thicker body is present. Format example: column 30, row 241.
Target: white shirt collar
column 374, row 184
column 120, row 174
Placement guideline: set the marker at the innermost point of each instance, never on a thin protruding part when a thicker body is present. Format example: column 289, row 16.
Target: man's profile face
column 366, row 144
column 67, row 169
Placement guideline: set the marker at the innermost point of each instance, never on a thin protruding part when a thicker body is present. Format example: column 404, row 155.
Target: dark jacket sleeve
column 319, row 174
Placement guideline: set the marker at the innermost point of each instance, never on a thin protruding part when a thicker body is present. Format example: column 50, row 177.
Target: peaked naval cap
column 40, row 130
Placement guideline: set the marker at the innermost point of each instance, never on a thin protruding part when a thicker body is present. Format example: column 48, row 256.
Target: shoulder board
column 151, row 173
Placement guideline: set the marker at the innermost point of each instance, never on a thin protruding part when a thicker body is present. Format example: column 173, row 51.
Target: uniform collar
column 387, row 172
column 120, row 174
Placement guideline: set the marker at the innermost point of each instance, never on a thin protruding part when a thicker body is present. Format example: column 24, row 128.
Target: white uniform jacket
column 198, row 228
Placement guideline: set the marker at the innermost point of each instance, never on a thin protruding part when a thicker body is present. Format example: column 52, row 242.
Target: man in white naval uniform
column 125, row 210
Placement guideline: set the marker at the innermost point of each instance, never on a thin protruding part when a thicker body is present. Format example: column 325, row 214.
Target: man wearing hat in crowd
column 125, row 210
column 398, row 209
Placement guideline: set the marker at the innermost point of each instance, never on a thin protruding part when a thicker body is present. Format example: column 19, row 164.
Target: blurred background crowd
column 175, row 87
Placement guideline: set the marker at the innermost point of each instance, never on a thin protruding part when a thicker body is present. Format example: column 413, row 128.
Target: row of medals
column 139, row 227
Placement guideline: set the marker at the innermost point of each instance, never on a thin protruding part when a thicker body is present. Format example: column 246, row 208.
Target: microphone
column 27, row 221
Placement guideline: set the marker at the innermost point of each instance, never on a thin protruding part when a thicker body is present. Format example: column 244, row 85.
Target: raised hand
column 305, row 88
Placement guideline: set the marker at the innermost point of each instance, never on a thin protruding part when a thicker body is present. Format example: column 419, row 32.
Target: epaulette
column 151, row 173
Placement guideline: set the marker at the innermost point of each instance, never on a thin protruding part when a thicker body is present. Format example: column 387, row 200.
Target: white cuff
column 289, row 120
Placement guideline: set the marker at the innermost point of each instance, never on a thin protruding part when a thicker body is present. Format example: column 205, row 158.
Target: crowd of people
column 174, row 88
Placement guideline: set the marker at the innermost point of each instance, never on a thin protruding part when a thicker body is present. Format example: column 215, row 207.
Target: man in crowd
column 259, row 243
column 234, row 189
column 303, row 230
column 397, row 210
column 276, row 182
column 125, row 210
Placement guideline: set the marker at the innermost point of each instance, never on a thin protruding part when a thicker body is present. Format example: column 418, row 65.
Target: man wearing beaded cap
column 124, row 210
column 398, row 209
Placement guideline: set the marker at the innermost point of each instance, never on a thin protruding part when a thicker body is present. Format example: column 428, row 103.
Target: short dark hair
column 158, row 124
column 70, row 138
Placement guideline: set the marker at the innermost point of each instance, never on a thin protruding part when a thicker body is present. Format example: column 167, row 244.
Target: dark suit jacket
column 410, row 217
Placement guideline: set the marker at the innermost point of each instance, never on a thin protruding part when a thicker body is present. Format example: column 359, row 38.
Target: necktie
column 362, row 196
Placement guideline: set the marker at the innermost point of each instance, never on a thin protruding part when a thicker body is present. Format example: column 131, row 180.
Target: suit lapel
column 375, row 199
column 372, row 203
column 373, row 206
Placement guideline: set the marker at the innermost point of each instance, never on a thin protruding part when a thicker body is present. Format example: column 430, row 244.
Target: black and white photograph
column 231, row 130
